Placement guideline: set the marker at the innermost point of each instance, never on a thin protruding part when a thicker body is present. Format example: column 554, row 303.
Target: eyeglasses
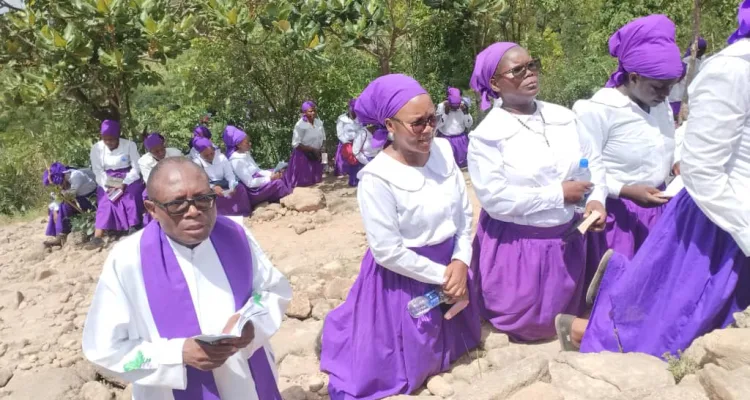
column 519, row 71
column 178, row 207
column 418, row 126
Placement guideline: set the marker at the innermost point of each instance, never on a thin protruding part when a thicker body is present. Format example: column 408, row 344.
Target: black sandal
column 564, row 326
column 598, row 275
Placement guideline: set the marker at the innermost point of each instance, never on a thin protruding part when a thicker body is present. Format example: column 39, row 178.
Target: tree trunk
column 693, row 57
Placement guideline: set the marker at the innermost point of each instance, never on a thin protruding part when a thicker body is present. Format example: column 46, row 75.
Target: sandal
column 598, row 275
column 94, row 244
column 563, row 326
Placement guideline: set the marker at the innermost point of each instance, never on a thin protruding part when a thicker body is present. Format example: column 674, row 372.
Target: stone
column 469, row 372
column 86, row 371
column 322, row 217
column 263, row 215
column 126, row 394
column 305, row 199
column 501, row 358
column 688, row 389
column 295, row 337
column 320, row 310
column 439, row 387
column 538, row 391
column 315, row 383
column 299, row 307
column 294, row 366
column 299, row 229
column 492, row 339
column 338, row 288
column 5, row 375
column 43, row 274
column 46, row 383
column 742, row 319
column 721, row 384
column 95, row 391
column 11, row 300
column 501, row 384
column 727, row 348
column 25, row 366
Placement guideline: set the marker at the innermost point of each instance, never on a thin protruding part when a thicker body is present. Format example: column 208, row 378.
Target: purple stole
column 173, row 310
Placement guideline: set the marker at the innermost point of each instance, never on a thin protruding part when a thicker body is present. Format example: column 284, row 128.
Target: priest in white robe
column 192, row 273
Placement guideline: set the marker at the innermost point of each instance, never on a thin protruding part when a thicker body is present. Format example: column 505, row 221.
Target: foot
column 597, row 280
column 564, row 327
column 54, row 241
column 94, row 244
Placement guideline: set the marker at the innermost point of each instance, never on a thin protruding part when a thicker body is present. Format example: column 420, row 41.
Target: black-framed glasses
column 178, row 207
column 534, row 66
column 418, row 126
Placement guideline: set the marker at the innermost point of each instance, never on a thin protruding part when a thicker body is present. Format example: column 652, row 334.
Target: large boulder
column 503, row 383
column 728, row 348
column 305, row 199
column 721, row 384
column 46, row 383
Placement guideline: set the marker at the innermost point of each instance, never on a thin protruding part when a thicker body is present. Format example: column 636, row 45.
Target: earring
column 390, row 136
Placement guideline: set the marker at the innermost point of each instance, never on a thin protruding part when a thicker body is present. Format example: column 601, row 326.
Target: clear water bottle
column 582, row 174
column 421, row 305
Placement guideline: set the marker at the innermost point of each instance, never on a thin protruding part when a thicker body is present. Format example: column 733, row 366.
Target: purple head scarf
column 382, row 99
column 202, row 131
column 702, row 44
column 154, row 139
column 110, row 128
column 454, row 97
column 743, row 20
column 484, row 68
column 55, row 175
column 305, row 107
column 647, row 47
column 232, row 137
column 202, row 143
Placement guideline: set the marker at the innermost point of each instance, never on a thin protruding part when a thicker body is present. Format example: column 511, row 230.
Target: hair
column 166, row 165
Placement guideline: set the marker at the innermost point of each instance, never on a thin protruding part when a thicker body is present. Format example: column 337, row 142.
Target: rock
column 727, row 348
column 721, row 384
column 299, row 307
column 500, row 384
column 492, row 339
column 338, row 288
column 688, row 389
column 501, row 358
column 294, row 393
column 305, row 199
column 295, row 337
column 126, row 394
column 333, row 268
column 742, row 319
column 95, row 391
column 263, row 215
column 538, row 391
column 294, row 366
column 11, row 300
column 320, row 310
column 3, row 349
column 469, row 372
column 43, row 274
column 322, row 217
column 439, row 387
column 86, row 371
column 315, row 383
column 299, row 229
column 45, row 383
column 24, row 366
column 5, row 375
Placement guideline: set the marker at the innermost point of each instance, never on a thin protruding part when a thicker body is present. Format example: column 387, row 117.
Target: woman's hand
column 574, row 191
column 218, row 190
column 643, row 195
column 600, row 223
column 456, row 275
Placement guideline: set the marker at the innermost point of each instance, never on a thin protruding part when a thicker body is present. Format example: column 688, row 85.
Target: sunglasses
column 534, row 66
column 178, row 207
column 418, row 126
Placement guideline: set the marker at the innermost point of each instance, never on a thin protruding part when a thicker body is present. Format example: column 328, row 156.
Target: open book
column 236, row 330
column 673, row 189
column 115, row 195
column 582, row 226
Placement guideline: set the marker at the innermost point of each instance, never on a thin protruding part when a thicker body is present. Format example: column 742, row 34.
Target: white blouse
column 308, row 134
column 194, row 153
column 346, row 128
column 248, row 171
column 104, row 159
column 716, row 151
column 147, row 162
column 518, row 176
column 218, row 169
column 362, row 147
column 405, row 207
column 82, row 183
column 453, row 122
column 636, row 147
column 678, row 90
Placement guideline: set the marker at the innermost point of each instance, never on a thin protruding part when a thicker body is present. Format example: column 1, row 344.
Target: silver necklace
column 544, row 126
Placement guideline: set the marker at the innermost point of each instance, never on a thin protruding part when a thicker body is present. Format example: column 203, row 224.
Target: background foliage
column 160, row 65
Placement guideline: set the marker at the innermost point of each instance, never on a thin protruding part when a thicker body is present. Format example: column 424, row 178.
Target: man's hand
column 600, row 223
column 204, row 356
column 247, row 336
column 456, row 276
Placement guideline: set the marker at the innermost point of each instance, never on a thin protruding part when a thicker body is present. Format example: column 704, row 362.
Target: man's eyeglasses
column 418, row 126
column 178, row 207
column 520, row 71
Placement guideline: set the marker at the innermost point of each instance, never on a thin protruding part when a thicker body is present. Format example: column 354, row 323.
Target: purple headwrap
column 55, row 175
column 647, row 47
column 382, row 99
column 743, row 20
column 305, row 107
column 454, row 97
column 202, row 131
column 110, row 128
column 352, row 101
column 485, row 67
column 154, row 139
column 702, row 44
column 232, row 137
column 202, row 143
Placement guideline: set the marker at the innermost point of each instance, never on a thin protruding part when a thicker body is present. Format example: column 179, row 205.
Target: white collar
column 611, row 97
column 500, row 124
column 410, row 178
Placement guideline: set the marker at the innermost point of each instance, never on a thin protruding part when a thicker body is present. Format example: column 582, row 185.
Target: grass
column 680, row 366
column 23, row 217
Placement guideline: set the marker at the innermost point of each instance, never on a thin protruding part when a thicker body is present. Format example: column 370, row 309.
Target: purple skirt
column 372, row 348
column 302, row 171
column 352, row 171
column 460, row 146
column 62, row 225
column 126, row 212
column 237, row 204
column 339, row 162
column 687, row 280
column 676, row 106
column 527, row 275
column 270, row 192
column 146, row 215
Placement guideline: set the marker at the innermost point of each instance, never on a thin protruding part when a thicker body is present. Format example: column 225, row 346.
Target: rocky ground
column 316, row 239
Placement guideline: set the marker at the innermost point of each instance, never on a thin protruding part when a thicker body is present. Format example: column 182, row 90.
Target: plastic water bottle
column 421, row 305
column 582, row 174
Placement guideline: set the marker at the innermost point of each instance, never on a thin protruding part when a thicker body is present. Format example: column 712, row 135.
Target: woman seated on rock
column 262, row 185
column 232, row 197
column 417, row 217
column 305, row 164
column 120, row 193
column 156, row 151
column 523, row 159
column 76, row 186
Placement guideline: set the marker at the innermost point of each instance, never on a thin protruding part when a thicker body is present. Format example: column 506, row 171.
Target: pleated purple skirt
column 62, row 225
column 527, row 275
column 237, row 204
column 339, row 162
column 302, row 171
column 126, row 212
column 270, row 192
column 352, row 171
column 372, row 348
column 146, row 215
column 687, row 279
column 460, row 146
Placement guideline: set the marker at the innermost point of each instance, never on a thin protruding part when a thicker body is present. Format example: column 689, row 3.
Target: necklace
column 544, row 127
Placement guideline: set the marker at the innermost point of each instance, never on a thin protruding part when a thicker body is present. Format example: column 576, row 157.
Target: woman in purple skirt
column 156, row 150
column 454, row 121
column 262, row 185
column 76, row 187
column 364, row 151
column 524, row 161
column 632, row 127
column 120, row 193
column 346, row 129
column 693, row 271
column 305, row 164
column 417, row 217
column 232, row 198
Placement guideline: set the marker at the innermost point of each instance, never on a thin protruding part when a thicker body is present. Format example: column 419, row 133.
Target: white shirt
column 247, row 170
column 362, row 147
column 120, row 324
column 147, row 162
column 405, row 207
column 194, row 153
column 454, row 122
column 716, row 152
column 346, row 128
column 218, row 169
column 82, row 183
column 308, row 134
column 636, row 147
column 678, row 90
column 104, row 159
column 518, row 177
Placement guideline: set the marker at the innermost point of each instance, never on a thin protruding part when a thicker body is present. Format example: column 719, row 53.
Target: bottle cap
column 584, row 163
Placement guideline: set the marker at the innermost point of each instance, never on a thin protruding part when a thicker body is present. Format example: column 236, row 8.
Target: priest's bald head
column 181, row 199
